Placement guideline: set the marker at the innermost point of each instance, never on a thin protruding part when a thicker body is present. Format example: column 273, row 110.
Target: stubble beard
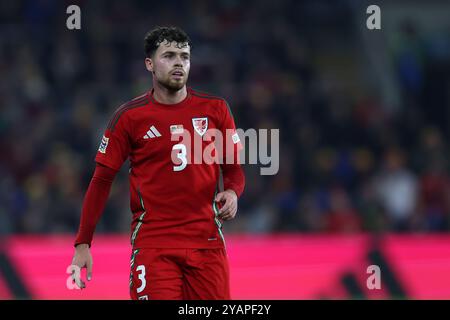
column 171, row 85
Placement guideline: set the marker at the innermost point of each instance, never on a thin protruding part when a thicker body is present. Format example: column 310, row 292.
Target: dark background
column 363, row 114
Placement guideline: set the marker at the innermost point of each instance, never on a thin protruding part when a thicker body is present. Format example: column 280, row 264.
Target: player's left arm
column 233, row 175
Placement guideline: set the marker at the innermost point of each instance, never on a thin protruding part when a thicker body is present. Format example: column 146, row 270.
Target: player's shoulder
column 133, row 104
column 220, row 103
column 207, row 96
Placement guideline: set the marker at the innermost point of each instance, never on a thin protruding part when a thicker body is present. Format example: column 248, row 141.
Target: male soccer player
column 178, row 249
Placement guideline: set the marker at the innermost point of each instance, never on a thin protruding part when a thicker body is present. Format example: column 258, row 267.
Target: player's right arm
column 113, row 151
column 93, row 206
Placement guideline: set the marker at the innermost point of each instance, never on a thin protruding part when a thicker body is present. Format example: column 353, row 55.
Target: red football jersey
column 171, row 198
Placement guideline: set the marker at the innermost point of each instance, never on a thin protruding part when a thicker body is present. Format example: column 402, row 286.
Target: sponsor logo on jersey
column 200, row 125
column 143, row 297
column 103, row 145
column 152, row 133
column 176, row 129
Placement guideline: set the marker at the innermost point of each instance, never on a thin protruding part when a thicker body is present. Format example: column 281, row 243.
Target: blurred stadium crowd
column 349, row 161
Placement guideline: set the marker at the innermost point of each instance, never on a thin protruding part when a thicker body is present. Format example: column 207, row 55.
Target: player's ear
column 149, row 64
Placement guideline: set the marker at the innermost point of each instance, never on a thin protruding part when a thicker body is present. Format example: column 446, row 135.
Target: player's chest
column 155, row 133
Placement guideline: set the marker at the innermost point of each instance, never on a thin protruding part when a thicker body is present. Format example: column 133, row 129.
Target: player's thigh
column 155, row 274
column 206, row 276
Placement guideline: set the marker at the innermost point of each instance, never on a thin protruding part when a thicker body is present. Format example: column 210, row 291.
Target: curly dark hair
column 156, row 36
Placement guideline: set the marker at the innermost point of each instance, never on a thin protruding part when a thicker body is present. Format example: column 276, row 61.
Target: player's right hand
column 83, row 259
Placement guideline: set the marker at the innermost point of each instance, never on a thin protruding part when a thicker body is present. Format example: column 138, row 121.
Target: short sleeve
column 115, row 145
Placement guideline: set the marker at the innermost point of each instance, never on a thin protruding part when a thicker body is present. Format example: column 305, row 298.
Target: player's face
column 170, row 65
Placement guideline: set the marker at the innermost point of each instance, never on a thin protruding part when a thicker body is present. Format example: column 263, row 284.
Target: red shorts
column 179, row 274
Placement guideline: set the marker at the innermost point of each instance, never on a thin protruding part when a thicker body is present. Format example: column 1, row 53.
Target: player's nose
column 178, row 63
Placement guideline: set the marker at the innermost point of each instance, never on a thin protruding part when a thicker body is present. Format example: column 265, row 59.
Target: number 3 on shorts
column 141, row 276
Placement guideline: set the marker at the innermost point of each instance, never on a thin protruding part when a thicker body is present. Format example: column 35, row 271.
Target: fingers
column 82, row 259
column 220, row 197
column 226, row 207
column 229, row 209
column 89, row 269
column 229, row 214
column 227, row 198
column 78, row 264
column 76, row 277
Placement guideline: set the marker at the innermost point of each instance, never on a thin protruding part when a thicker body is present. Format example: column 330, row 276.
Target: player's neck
column 165, row 96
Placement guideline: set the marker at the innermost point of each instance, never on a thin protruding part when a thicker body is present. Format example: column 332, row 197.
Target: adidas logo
column 152, row 133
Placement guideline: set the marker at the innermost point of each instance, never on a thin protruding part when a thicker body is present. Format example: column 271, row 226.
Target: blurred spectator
column 342, row 217
column 435, row 196
column 397, row 189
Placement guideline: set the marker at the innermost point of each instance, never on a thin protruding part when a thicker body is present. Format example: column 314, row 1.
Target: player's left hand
column 229, row 208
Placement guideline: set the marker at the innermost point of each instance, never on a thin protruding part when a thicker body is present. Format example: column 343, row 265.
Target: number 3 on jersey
column 141, row 276
column 180, row 155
